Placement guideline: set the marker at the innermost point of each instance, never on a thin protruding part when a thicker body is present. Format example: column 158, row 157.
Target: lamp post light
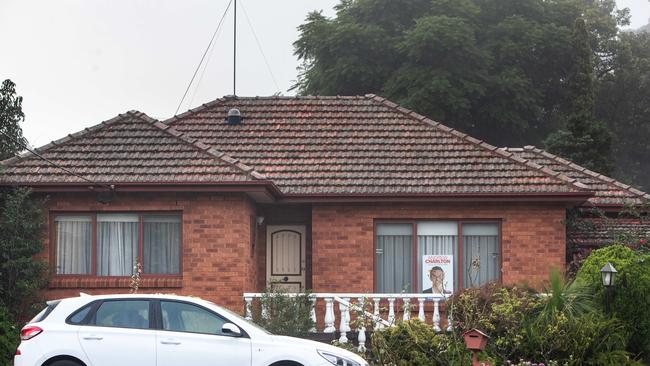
column 608, row 275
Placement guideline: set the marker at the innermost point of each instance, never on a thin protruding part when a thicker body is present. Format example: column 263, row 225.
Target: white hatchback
column 160, row 330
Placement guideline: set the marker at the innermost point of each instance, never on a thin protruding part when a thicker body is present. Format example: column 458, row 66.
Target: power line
column 24, row 146
column 259, row 46
column 203, row 57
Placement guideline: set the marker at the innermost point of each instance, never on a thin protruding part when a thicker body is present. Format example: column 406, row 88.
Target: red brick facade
column 532, row 240
column 218, row 262
column 221, row 259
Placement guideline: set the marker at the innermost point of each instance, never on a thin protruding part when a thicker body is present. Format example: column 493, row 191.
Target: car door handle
column 170, row 341
column 93, row 337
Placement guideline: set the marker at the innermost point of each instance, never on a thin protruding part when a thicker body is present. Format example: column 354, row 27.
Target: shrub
column 631, row 300
column 282, row 314
column 8, row 337
column 414, row 343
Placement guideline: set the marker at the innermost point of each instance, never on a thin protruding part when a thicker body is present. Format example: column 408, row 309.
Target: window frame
column 414, row 247
column 52, row 236
column 90, row 320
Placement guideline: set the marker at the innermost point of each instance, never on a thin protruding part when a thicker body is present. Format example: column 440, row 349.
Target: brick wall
column 533, row 240
column 218, row 262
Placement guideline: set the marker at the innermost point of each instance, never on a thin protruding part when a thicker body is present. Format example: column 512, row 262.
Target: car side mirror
column 231, row 329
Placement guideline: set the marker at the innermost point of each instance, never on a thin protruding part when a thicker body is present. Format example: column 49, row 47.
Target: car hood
column 299, row 342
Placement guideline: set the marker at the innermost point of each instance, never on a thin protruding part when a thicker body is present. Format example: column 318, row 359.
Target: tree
column 495, row 69
column 623, row 100
column 21, row 236
column 584, row 139
column 11, row 114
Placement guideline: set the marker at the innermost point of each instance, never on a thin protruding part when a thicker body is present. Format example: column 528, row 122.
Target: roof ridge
column 225, row 98
column 482, row 144
column 248, row 170
column 73, row 136
column 605, row 179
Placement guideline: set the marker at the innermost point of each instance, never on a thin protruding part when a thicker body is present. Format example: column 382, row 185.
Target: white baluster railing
column 249, row 305
column 436, row 315
column 406, row 309
column 329, row 315
column 421, row 309
column 391, row 311
column 377, row 316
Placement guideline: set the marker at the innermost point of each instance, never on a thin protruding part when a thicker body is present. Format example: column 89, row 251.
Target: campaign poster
column 438, row 274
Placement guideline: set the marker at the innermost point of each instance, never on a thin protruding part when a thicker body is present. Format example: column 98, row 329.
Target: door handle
column 170, row 341
column 285, row 279
column 93, row 337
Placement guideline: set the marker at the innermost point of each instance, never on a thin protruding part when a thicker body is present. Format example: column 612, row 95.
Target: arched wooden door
column 285, row 256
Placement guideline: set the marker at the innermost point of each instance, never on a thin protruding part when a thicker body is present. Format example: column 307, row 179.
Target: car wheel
column 286, row 363
column 64, row 363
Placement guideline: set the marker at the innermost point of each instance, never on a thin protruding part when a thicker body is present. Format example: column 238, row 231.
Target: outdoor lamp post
column 608, row 274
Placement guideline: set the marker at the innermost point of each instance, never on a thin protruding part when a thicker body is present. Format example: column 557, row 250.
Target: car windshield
column 239, row 317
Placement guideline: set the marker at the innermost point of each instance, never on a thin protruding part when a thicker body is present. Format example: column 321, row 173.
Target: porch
column 332, row 312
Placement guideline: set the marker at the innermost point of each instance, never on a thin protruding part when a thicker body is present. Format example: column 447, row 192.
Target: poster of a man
column 437, row 274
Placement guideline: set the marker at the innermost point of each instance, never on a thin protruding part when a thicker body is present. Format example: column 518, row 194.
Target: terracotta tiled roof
column 597, row 232
column 304, row 145
column 607, row 190
column 362, row 145
column 130, row 148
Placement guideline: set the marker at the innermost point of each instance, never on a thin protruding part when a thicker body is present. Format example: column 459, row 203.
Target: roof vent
column 234, row 117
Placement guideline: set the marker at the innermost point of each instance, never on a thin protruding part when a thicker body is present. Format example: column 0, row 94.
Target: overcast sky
column 80, row 62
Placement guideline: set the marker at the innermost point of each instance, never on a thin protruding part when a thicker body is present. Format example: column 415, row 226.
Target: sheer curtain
column 480, row 253
column 437, row 237
column 162, row 242
column 394, row 272
column 73, row 244
column 117, row 244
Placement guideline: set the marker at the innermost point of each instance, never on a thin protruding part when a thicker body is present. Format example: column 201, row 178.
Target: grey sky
column 79, row 62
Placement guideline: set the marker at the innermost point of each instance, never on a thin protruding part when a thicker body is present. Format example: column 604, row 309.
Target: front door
column 285, row 257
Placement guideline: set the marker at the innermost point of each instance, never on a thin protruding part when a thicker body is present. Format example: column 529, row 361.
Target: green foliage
column 11, row 114
column 495, row 69
column 584, row 140
column 414, row 343
column 21, row 237
column 8, row 337
column 623, row 101
column 284, row 314
column 631, row 299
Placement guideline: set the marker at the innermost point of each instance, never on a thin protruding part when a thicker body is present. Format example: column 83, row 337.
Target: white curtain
column 73, row 244
column 117, row 244
column 394, row 272
column 480, row 254
column 162, row 241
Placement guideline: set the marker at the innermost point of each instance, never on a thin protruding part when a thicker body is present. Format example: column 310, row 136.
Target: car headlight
column 337, row 360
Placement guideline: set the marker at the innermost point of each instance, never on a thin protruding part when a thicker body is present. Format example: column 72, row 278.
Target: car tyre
column 64, row 363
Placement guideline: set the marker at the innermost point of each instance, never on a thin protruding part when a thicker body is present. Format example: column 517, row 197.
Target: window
column 162, row 244
column 80, row 315
column 182, row 317
column 123, row 314
column 400, row 248
column 73, row 244
column 117, row 241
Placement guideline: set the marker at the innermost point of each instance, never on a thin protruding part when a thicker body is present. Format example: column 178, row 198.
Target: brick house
column 335, row 194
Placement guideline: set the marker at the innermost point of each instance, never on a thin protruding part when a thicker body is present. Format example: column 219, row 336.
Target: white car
column 160, row 330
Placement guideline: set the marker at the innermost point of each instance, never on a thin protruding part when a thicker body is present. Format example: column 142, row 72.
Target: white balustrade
column 345, row 306
column 343, row 324
column 313, row 315
column 249, row 304
column 329, row 315
column 406, row 310
column 361, row 330
column 376, row 300
column 436, row 315
column 391, row 311
column 421, row 309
